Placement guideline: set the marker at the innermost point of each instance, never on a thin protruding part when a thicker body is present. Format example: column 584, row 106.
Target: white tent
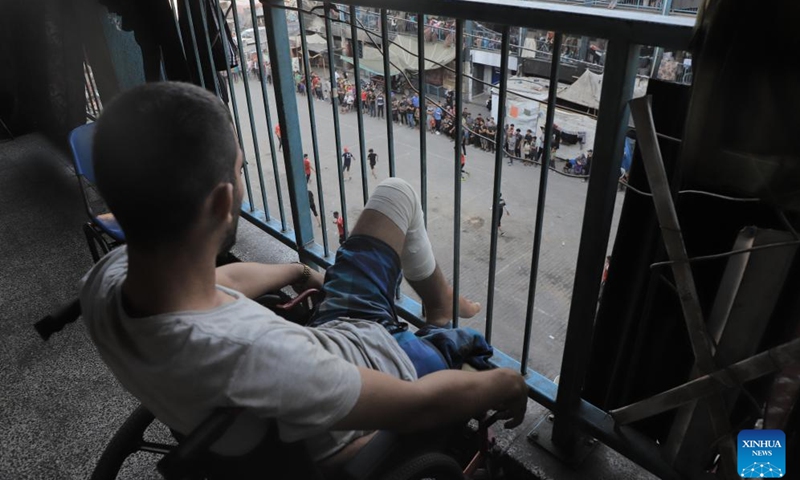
column 587, row 88
column 315, row 42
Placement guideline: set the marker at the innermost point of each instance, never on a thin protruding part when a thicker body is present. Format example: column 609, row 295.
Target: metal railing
column 625, row 31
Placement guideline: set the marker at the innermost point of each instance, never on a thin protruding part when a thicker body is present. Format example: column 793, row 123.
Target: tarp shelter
column 587, row 88
column 404, row 56
column 373, row 66
column 315, row 43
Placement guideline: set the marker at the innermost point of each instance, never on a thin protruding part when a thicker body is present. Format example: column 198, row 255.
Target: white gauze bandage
column 396, row 199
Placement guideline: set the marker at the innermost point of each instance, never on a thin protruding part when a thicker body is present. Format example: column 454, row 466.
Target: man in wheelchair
column 185, row 338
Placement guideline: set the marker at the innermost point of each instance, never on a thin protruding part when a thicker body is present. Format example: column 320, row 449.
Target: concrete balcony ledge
column 525, row 460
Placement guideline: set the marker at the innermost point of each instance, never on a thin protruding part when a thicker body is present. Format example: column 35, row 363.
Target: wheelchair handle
column 298, row 299
column 55, row 322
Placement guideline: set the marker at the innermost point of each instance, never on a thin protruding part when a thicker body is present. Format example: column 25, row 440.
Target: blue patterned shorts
column 362, row 284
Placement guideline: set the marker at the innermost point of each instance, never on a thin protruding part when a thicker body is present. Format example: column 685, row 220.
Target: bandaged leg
column 398, row 201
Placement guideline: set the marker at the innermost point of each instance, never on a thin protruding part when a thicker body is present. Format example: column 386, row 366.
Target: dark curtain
column 161, row 37
column 41, row 78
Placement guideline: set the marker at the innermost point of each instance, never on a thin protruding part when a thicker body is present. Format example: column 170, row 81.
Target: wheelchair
column 440, row 455
column 455, row 453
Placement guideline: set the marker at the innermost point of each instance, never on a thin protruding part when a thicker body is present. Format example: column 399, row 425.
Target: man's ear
column 220, row 202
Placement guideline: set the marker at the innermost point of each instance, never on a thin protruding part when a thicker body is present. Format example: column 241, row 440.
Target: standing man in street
column 278, row 135
column 313, row 206
column 373, row 159
column 339, row 221
column 307, row 167
column 347, row 158
column 380, row 101
column 501, row 209
column 511, row 145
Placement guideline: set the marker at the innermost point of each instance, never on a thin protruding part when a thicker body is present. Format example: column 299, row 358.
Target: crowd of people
column 478, row 130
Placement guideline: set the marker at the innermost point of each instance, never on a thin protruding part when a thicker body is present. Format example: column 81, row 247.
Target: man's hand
column 514, row 407
column 438, row 399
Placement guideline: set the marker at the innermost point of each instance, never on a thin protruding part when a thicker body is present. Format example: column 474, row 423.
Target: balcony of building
column 570, row 234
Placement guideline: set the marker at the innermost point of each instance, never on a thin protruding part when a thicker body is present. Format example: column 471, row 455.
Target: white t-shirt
column 182, row 365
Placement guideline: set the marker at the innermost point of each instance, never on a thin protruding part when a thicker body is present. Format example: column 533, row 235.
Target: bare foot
column 442, row 315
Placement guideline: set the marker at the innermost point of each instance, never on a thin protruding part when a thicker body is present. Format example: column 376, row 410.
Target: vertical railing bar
column 277, row 29
column 612, row 123
column 359, row 111
column 387, row 89
column 337, row 133
column 236, row 120
column 268, row 116
column 498, row 177
column 249, row 99
column 458, row 44
column 540, row 203
column 259, row 167
column 187, row 6
column 211, row 66
column 313, row 122
column 423, row 126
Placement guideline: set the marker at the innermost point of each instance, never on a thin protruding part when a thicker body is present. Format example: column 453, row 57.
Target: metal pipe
column 360, row 113
column 612, row 123
column 540, row 203
column 387, row 89
column 457, row 167
column 236, row 120
column 313, row 124
column 498, row 176
column 286, row 106
column 336, row 129
column 699, row 339
column 423, row 145
column 268, row 116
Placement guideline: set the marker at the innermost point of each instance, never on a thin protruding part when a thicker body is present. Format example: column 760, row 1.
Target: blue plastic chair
column 102, row 230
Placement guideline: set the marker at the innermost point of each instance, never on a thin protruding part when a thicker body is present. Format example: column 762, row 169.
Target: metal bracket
column 542, row 435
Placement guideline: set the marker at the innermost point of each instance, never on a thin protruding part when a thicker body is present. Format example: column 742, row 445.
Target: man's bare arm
column 441, row 398
column 256, row 279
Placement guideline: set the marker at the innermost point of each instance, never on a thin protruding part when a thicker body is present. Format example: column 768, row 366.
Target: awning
column 315, row 43
column 587, row 88
column 373, row 66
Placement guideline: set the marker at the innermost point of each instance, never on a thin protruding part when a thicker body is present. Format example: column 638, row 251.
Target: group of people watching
column 479, row 131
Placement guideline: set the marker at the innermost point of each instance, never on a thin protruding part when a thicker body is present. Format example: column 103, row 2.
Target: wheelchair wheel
column 127, row 441
column 434, row 466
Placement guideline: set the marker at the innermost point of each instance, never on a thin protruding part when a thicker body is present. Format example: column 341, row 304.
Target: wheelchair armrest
column 372, row 456
column 180, row 462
